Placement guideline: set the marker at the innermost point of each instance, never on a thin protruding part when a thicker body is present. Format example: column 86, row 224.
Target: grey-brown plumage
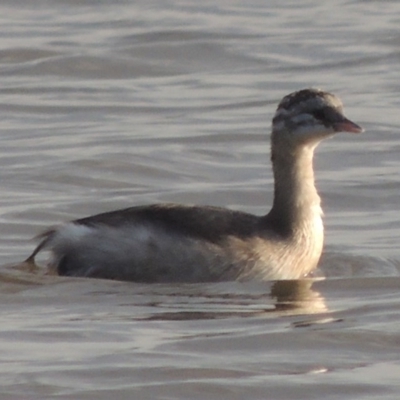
column 176, row 243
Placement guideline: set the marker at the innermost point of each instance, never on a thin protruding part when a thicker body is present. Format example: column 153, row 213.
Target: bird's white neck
column 296, row 209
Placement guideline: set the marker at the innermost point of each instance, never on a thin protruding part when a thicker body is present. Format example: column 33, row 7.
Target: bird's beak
column 345, row 125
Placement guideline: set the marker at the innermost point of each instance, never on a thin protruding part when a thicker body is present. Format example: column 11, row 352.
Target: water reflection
column 297, row 297
column 179, row 301
column 16, row 277
column 281, row 298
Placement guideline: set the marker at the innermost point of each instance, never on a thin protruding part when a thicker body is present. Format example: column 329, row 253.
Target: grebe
column 178, row 243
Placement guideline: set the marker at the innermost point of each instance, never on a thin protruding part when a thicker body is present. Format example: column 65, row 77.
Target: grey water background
column 106, row 105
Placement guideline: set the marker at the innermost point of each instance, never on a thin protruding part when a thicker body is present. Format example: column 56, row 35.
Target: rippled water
column 109, row 104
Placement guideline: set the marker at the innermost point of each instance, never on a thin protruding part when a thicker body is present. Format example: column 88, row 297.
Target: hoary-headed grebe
column 178, row 243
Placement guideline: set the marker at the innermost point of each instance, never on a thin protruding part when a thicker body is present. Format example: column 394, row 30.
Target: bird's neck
column 296, row 208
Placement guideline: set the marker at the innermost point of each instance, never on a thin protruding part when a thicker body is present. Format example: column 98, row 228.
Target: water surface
column 107, row 105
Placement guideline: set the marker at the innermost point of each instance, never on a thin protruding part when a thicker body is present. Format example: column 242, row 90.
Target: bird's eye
column 319, row 114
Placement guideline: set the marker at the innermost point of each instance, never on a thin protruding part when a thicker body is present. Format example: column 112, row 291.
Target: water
column 105, row 105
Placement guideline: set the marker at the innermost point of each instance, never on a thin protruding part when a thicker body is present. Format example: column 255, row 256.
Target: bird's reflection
column 189, row 301
column 297, row 296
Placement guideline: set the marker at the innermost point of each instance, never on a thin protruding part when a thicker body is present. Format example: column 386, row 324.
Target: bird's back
column 159, row 243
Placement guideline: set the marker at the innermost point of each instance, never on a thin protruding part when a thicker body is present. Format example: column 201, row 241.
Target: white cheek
column 313, row 129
